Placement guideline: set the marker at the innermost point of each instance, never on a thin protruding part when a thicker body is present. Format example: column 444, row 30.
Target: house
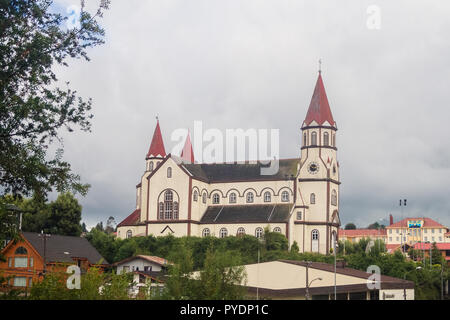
column 357, row 234
column 300, row 198
column 147, row 270
column 444, row 248
column 36, row 254
column 288, row 279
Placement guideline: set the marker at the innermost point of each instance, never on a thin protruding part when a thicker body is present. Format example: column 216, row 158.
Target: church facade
column 178, row 196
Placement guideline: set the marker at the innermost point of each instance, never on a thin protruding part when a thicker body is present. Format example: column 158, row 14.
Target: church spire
column 157, row 146
column 187, row 154
column 319, row 109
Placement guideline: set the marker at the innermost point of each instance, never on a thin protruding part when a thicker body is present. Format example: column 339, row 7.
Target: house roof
column 426, row 246
column 64, row 248
column 154, row 259
column 319, row 109
column 132, row 219
column 225, row 172
column 157, row 144
column 247, row 214
column 427, row 223
column 362, row 233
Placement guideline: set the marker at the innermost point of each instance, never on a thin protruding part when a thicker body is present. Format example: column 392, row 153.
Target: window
column 426, row 239
column 285, row 196
column 259, row 232
column 267, row 196
column 157, row 164
column 390, row 238
column 175, row 210
column 20, row 262
column 390, row 231
column 223, row 233
column 304, row 139
column 31, row 262
column 333, row 198
column 432, row 239
column 312, row 198
column 440, row 239
column 216, row 198
column 206, row 232
column 10, row 262
column 425, row 231
column 240, row 231
column 21, row 250
column 204, row 197
column 195, row 195
column 129, row 234
column 150, row 166
column 334, row 140
column 250, row 197
column 314, row 139
column 315, row 234
column 232, row 197
column 326, row 139
column 277, row 229
column 397, row 238
column 168, row 195
column 20, row 281
column 299, row 215
column 169, row 172
column 161, row 211
column 432, row 230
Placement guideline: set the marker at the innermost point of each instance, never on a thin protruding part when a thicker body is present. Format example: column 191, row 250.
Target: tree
column 33, row 109
column 65, row 216
column 110, row 225
column 350, row 226
column 375, row 225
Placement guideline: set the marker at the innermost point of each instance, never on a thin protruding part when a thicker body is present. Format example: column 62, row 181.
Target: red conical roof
column 319, row 109
column 187, row 153
column 157, row 145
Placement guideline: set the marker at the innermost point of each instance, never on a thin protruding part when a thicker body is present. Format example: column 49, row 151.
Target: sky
column 253, row 64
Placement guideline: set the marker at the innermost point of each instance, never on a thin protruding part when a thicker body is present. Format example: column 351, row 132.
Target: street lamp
column 404, row 278
column 308, row 283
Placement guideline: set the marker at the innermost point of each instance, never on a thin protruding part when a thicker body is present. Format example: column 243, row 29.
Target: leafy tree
column 33, row 109
column 65, row 216
column 436, row 255
column 350, row 226
column 110, row 225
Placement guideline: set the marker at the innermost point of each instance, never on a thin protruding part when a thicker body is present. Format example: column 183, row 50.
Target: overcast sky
column 253, row 64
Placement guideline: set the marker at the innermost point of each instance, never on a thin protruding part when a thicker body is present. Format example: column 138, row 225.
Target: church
column 179, row 196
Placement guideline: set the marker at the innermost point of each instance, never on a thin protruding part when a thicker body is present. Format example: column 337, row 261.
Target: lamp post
column 308, row 283
column 44, row 238
column 401, row 233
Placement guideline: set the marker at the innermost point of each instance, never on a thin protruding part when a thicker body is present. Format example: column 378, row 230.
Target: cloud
column 253, row 64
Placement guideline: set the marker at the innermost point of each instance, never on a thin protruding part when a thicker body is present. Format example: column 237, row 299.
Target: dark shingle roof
column 57, row 246
column 222, row 172
column 247, row 213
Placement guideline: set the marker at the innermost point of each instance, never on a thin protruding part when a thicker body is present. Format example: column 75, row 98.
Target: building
column 286, row 279
column 35, row 254
column 357, row 234
column 410, row 231
column 178, row 196
column 148, row 272
column 444, row 248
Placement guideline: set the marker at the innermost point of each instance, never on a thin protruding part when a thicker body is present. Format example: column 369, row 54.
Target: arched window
column 240, row 231
column 250, row 197
column 206, row 232
column 223, row 233
column 157, row 163
column 267, row 196
column 161, row 211
column 232, row 197
column 259, row 232
column 334, row 140
column 304, row 139
column 204, row 197
column 334, row 198
column 129, row 234
column 315, row 234
column 216, row 198
column 312, row 198
column 285, row 196
column 150, row 166
column 315, row 240
column 313, row 138
column 168, row 195
column 169, row 172
column 277, row 229
column 326, row 139
column 195, row 195
column 21, row 250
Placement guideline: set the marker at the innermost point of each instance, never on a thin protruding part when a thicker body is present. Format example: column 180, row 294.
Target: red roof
column 187, row 153
column 132, row 219
column 361, row 232
column 319, row 109
column 392, row 247
column 157, row 145
column 427, row 223
column 426, row 246
column 158, row 260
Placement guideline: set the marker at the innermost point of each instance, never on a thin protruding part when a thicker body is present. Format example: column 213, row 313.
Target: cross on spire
column 320, row 65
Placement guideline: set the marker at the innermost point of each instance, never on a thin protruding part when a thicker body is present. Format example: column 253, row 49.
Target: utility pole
column 44, row 238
